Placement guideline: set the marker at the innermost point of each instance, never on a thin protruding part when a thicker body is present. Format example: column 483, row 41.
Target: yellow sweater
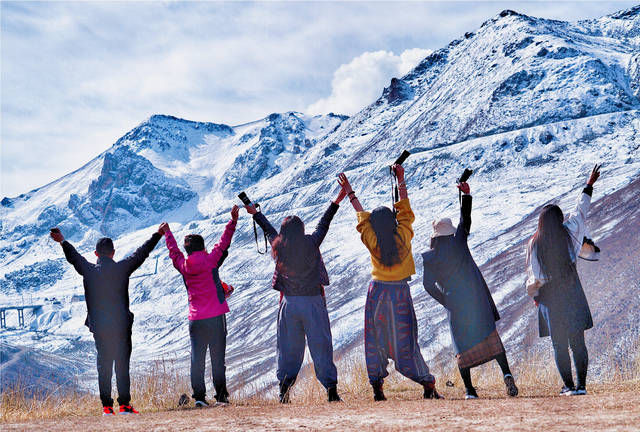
column 398, row 271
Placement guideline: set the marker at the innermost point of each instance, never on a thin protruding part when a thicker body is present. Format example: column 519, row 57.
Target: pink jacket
column 196, row 271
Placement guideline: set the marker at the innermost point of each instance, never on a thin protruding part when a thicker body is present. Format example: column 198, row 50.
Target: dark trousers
column 208, row 333
column 391, row 332
column 113, row 348
column 561, row 343
column 301, row 316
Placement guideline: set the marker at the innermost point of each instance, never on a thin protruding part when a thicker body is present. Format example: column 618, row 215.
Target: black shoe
column 568, row 391
column 378, row 394
column 222, row 395
column 510, row 383
column 285, row 389
column 471, row 394
column 332, row 394
column 430, row 391
column 581, row 391
column 184, row 400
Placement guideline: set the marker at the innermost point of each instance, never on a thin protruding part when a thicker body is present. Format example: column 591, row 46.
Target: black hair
column 552, row 242
column 104, row 246
column 193, row 243
column 383, row 222
column 290, row 248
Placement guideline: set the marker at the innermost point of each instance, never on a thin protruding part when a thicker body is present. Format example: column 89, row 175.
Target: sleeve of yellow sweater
column 367, row 235
column 405, row 218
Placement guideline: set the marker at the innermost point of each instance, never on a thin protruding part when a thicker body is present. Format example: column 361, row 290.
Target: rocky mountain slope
column 528, row 103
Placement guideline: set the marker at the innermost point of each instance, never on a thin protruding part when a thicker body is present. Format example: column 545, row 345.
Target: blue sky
column 76, row 76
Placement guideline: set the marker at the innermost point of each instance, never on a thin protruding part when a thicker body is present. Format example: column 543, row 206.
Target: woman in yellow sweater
column 390, row 326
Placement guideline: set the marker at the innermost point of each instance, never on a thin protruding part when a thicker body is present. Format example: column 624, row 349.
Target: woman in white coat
column 563, row 311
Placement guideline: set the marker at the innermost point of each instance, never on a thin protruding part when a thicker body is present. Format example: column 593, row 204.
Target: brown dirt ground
column 619, row 411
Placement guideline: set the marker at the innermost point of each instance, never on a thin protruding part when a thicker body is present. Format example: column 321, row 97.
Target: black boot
column 285, row 388
column 332, row 394
column 430, row 391
column 378, row 394
column 222, row 395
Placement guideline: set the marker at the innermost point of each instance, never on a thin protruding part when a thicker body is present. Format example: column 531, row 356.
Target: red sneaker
column 128, row 409
column 107, row 411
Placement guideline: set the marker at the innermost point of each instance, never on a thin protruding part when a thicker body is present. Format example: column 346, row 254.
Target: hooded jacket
column 200, row 274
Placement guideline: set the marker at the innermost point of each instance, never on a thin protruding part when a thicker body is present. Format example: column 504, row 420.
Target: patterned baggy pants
column 391, row 332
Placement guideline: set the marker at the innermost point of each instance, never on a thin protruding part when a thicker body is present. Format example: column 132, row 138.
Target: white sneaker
column 201, row 404
column 581, row 391
column 567, row 391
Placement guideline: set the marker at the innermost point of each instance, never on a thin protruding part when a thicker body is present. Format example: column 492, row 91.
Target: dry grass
column 159, row 388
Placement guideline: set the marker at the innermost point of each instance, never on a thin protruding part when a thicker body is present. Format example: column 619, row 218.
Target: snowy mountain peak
column 162, row 133
column 528, row 103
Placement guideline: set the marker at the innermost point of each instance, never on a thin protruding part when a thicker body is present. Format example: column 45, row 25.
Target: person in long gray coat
column 553, row 282
column 462, row 290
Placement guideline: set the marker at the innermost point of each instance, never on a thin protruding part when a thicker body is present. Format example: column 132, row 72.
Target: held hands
column 163, row 228
column 399, row 171
column 341, row 194
column 251, row 209
column 235, row 211
column 464, row 187
column 595, row 174
column 56, row 235
column 344, row 183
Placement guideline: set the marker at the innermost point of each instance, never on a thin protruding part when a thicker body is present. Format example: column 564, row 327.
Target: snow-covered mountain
column 530, row 104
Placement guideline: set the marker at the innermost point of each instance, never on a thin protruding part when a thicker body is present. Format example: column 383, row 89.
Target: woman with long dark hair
column 390, row 328
column 553, row 282
column 300, row 276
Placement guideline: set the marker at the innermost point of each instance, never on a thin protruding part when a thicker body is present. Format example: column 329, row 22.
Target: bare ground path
column 600, row 412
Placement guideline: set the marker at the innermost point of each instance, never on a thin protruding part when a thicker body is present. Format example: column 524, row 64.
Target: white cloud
column 78, row 75
column 359, row 82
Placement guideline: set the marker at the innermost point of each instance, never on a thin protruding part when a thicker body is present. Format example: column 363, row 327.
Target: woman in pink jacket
column 207, row 306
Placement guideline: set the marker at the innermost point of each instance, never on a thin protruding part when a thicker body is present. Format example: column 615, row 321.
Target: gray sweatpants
column 301, row 316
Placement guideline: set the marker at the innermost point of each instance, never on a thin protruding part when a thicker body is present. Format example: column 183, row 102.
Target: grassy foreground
column 612, row 404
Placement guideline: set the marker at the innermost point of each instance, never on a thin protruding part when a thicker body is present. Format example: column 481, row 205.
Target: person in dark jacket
column 300, row 276
column 106, row 288
column 553, row 282
column 464, row 293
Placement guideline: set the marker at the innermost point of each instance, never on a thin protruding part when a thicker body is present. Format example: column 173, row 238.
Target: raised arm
column 73, row 257
column 576, row 222
column 367, row 235
column 264, row 223
column 225, row 241
column 135, row 260
column 405, row 218
column 402, row 186
column 176, row 255
column 346, row 187
column 429, row 283
column 464, row 226
column 323, row 226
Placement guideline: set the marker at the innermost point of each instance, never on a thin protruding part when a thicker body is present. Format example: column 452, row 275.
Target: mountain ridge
column 558, row 99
